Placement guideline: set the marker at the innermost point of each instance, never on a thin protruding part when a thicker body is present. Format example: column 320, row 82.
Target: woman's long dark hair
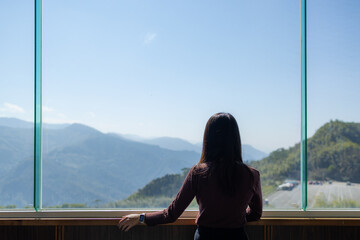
column 222, row 150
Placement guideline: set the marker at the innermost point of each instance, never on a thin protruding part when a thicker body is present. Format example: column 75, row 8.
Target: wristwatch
column 142, row 218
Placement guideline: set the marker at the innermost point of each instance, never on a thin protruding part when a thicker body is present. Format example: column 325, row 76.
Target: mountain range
column 83, row 165
column 249, row 152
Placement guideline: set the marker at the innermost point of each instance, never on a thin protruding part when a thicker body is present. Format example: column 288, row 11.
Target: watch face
column 142, row 217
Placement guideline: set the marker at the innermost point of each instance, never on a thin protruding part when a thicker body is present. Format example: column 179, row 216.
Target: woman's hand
column 128, row 221
column 248, row 210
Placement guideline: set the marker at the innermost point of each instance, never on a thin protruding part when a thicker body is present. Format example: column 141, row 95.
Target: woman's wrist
column 142, row 218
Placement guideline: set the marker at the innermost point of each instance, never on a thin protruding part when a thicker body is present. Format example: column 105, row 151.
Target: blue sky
column 162, row 68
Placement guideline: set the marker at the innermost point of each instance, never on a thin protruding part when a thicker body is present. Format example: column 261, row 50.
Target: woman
column 227, row 191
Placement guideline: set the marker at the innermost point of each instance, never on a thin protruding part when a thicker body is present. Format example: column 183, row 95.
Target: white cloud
column 12, row 108
column 149, row 38
column 47, row 109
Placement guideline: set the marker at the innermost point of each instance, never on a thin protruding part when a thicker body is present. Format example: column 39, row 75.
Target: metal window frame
column 38, row 213
column 38, row 106
column 303, row 157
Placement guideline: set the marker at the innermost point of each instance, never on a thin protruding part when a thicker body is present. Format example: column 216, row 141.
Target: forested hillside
column 157, row 194
column 333, row 153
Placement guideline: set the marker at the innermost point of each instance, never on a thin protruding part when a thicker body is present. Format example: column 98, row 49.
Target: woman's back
column 218, row 209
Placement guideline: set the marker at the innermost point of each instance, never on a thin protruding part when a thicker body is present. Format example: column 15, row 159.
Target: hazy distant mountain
column 170, row 143
column 131, row 137
column 252, row 154
column 16, row 145
column 173, row 144
column 81, row 165
column 249, row 153
column 15, row 123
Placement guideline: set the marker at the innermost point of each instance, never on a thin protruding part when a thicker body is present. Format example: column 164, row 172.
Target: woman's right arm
column 254, row 212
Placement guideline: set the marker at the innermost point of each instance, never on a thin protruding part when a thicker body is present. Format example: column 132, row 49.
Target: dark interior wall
column 27, row 232
column 172, row 232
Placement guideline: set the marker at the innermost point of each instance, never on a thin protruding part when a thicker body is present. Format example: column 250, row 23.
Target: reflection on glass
column 129, row 86
column 334, row 119
column 16, row 104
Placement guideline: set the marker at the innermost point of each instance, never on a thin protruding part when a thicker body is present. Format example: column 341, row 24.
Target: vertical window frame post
column 38, row 106
column 303, row 107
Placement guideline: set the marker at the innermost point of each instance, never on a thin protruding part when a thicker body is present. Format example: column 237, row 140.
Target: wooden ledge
column 182, row 221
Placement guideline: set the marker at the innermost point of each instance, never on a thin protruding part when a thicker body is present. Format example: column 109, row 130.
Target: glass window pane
column 128, row 87
column 333, row 97
column 16, row 104
column 269, row 107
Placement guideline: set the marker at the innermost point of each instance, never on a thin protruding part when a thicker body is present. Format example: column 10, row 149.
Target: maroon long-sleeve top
column 216, row 209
